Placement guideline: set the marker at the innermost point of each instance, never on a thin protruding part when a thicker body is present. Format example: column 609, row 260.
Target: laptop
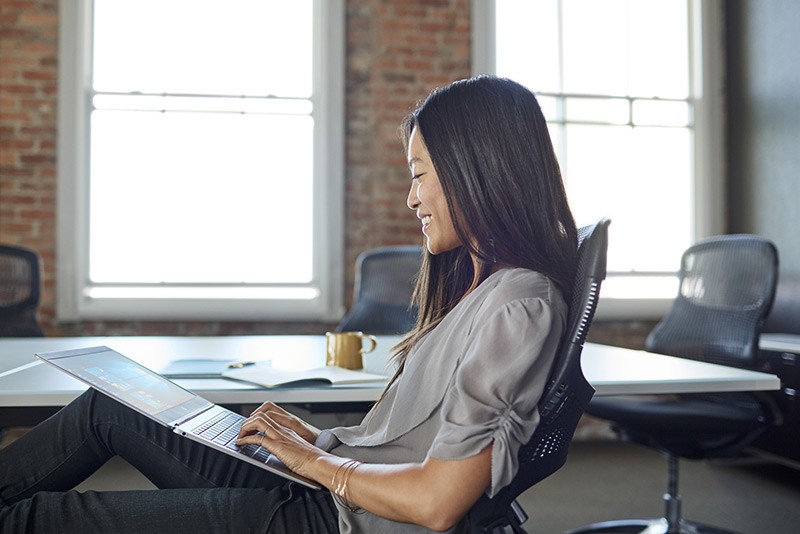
column 167, row 403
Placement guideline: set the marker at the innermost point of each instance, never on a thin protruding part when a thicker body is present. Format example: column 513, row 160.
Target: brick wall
column 397, row 51
column 28, row 94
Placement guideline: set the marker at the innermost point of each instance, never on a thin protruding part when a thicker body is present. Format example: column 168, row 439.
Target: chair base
column 649, row 526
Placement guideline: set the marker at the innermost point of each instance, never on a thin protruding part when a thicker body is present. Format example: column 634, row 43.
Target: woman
column 491, row 293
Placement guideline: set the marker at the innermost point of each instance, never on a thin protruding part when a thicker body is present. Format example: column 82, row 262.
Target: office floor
column 610, row 480
column 605, row 480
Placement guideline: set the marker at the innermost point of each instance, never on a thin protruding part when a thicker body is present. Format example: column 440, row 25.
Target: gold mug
column 345, row 349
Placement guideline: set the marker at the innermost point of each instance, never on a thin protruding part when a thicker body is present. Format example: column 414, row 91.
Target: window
column 201, row 159
column 631, row 91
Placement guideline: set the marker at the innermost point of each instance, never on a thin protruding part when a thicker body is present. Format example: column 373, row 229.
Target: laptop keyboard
column 223, row 430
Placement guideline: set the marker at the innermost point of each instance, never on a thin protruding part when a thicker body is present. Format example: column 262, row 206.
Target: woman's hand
column 279, row 415
column 284, row 435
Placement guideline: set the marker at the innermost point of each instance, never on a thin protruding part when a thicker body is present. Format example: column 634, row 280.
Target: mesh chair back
column 726, row 288
column 384, row 284
column 566, row 396
column 19, row 292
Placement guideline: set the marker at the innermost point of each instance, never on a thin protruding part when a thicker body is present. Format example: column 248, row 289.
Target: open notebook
column 264, row 374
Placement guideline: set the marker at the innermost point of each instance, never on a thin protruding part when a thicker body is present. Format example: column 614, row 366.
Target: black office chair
column 383, row 287
column 726, row 288
column 564, row 399
column 19, row 292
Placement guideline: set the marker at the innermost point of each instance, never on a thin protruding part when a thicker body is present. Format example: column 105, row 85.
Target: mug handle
column 374, row 343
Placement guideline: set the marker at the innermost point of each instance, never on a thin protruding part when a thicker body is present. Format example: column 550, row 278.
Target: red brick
column 19, row 89
column 13, row 144
column 37, row 20
column 45, row 75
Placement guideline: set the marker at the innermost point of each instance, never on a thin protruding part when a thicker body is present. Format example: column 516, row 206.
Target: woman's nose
column 413, row 201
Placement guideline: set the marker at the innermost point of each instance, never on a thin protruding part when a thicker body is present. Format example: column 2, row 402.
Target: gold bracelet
column 346, row 478
column 340, row 486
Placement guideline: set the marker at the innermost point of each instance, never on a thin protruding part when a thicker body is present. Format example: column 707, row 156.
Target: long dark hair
column 489, row 143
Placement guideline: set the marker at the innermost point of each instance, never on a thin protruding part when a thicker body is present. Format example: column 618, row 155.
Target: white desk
column 780, row 343
column 611, row 370
column 618, row 371
column 26, row 382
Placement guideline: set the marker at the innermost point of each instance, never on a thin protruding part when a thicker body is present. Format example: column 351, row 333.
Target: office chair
column 19, row 292
column 563, row 400
column 383, row 287
column 726, row 288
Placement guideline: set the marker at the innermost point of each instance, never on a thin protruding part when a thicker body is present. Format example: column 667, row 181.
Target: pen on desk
column 239, row 365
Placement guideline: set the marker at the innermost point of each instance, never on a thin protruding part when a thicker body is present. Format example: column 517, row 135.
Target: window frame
column 707, row 54
column 74, row 105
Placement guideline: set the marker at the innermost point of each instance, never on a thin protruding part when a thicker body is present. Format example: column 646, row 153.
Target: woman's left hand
column 294, row 450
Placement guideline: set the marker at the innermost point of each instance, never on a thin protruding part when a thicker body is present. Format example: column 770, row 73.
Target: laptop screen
column 130, row 382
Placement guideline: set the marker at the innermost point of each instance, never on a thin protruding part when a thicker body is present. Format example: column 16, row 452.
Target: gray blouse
column 473, row 381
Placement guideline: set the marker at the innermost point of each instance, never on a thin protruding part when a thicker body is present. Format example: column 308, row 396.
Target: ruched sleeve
column 494, row 392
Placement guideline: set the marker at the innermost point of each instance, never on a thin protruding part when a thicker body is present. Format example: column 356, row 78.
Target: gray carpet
column 606, row 480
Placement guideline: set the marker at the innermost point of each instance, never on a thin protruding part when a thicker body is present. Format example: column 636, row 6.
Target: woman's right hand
column 279, row 415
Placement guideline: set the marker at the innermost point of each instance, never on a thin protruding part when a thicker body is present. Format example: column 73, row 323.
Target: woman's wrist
column 339, row 484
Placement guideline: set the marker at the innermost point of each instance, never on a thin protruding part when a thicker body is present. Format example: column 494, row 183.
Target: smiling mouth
column 426, row 220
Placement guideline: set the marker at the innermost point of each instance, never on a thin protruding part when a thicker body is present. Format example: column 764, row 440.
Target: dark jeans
column 202, row 490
